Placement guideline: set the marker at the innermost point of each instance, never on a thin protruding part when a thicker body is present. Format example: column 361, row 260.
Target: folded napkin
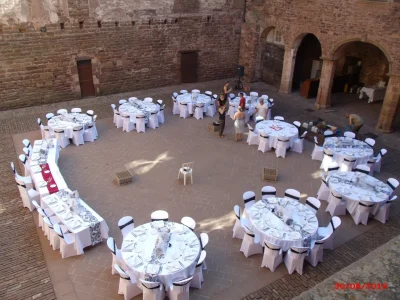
column 68, row 216
column 274, row 233
column 38, row 142
column 152, row 268
column 41, row 184
column 75, row 224
column 60, row 209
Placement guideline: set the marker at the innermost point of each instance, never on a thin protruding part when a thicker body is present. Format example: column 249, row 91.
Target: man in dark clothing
column 222, row 113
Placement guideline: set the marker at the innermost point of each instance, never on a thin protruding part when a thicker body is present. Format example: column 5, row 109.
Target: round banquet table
column 275, row 129
column 268, row 226
column 343, row 147
column 68, row 122
column 136, row 107
column 179, row 261
column 190, row 100
column 250, row 104
column 356, row 186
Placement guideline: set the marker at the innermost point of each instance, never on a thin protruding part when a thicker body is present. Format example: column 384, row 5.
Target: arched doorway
column 308, row 63
column 272, row 54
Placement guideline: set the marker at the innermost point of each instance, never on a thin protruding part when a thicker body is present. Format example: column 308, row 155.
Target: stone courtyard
column 223, row 170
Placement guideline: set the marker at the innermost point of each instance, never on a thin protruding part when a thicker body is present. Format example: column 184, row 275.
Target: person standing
column 239, row 124
column 355, row 122
column 242, row 102
column 222, row 113
column 262, row 109
column 227, row 88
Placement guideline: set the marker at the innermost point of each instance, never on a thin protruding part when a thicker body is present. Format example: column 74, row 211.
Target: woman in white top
column 262, row 109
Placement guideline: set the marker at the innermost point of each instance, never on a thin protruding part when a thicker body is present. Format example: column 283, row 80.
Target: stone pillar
column 325, row 83
column 390, row 104
column 289, row 60
column 248, row 46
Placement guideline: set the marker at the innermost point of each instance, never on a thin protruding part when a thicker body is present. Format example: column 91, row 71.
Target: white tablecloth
column 51, row 160
column 267, row 226
column 373, row 94
column 356, row 186
column 180, row 258
column 87, row 226
column 349, row 148
column 68, row 122
column 190, row 99
column 275, row 129
column 136, row 107
column 250, row 104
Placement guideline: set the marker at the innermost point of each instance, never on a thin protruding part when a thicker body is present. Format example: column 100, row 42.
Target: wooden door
column 189, row 67
column 86, row 78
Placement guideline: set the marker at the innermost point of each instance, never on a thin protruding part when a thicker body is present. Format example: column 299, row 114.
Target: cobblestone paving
column 223, row 171
column 378, row 267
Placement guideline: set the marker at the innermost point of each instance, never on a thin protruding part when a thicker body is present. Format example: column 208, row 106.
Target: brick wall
column 272, row 63
column 40, row 67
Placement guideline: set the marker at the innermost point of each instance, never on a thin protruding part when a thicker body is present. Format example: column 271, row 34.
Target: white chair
column 140, row 123
column 115, row 254
column 265, row 97
column 317, row 251
column 336, row 205
column 294, row 259
column 232, row 96
column 371, row 165
column 152, row 290
column 39, row 122
column 186, row 171
column 328, row 133
column 62, row 111
column 47, row 132
column 329, row 231
column 363, row 169
column 328, row 158
column 159, row 215
column 268, row 192
column 195, row 91
column 27, row 154
column 183, row 92
column 362, row 212
column 127, row 124
column 90, row 113
column 132, row 98
column 393, row 183
column 198, row 272
column 179, row 290
column 27, row 144
column 253, row 96
column 49, row 116
column 378, row 160
column 273, row 256
column 279, row 118
column 76, row 110
column 292, row 194
column 89, row 135
column 349, row 134
column 298, row 145
column 161, row 118
column 184, row 111
column 208, row 93
column 67, row 243
column 211, row 109
column 204, row 239
column 62, row 139
column 332, row 168
column 238, row 230
column 189, row 222
column 263, row 145
column 249, row 198
column 318, row 151
column 323, row 192
column 259, row 119
column 153, row 120
column 382, row 215
column 270, row 105
column 24, row 180
column 313, row 204
column 117, row 117
column 249, row 246
column 44, row 212
column 297, row 124
column 231, row 110
column 175, row 109
column 78, row 135
column 24, row 159
column 122, row 101
column 347, row 165
column 281, row 147
column 126, row 225
column 127, row 285
column 198, row 112
column 370, row 142
column 148, row 99
column 51, row 234
column 252, row 138
column 159, row 102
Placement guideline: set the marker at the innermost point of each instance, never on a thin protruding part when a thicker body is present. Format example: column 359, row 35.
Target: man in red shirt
column 242, row 102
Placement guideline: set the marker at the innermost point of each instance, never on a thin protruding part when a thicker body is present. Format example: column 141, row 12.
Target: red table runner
column 48, row 177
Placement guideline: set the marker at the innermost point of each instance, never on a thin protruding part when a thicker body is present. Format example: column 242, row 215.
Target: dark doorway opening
column 189, row 65
column 86, row 78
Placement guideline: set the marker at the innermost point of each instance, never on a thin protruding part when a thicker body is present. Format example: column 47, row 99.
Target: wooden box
column 270, row 174
column 213, row 127
column 123, row 177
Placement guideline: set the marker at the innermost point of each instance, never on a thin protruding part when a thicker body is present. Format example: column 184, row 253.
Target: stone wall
column 272, row 63
column 136, row 48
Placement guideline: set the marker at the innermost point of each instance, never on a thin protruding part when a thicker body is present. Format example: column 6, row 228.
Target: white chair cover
column 198, row 272
column 159, row 215
column 249, row 198
column 328, row 158
column 179, row 290
column 332, row 168
column 238, row 230
column 127, row 124
column 263, row 145
column 152, row 290
column 273, row 256
column 140, row 123
column 347, row 165
column 126, row 225
column 153, row 120
column 329, row 230
column 323, row 192
column 249, row 246
column 127, row 285
column 281, row 147
column 313, row 204
column 268, row 192
column 318, row 151
column 382, row 215
column 294, row 259
column 252, row 138
column 292, row 194
column 62, row 139
column 161, row 118
column 336, row 206
column 349, row 134
column 184, row 111
column 67, row 243
column 189, row 222
column 317, row 251
column 198, row 112
column 370, row 141
column 363, row 169
column 298, row 144
column 362, row 212
column 78, row 135
column 115, row 254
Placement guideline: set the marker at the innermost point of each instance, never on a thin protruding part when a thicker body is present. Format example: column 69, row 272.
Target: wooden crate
column 123, row 177
column 213, row 128
column 270, row 174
